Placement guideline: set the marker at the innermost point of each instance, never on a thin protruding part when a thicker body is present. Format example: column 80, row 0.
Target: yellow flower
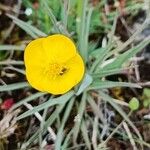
column 53, row 64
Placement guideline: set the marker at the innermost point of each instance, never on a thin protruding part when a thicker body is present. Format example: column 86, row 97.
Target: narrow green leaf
column 47, row 124
column 28, row 99
column 65, row 117
column 54, row 101
column 81, row 110
column 54, row 115
column 104, row 73
column 107, row 49
column 31, row 30
column 52, row 16
column 14, row 86
column 79, row 14
column 87, row 32
column 92, row 47
column 110, row 84
column 65, row 6
column 96, row 53
column 85, row 83
column 85, row 135
column 132, row 38
column 122, row 58
column 16, row 69
column 12, row 47
column 66, row 141
column 81, row 25
column 11, row 62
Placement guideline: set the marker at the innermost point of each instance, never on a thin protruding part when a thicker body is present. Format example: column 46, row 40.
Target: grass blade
column 81, row 25
column 85, row 83
column 87, row 31
column 110, row 84
column 14, row 86
column 51, row 102
column 12, row 47
column 66, row 141
column 104, row 73
column 52, row 16
column 28, row 99
column 80, row 114
column 31, row 30
column 105, row 51
column 65, row 6
column 117, row 63
column 132, row 38
column 47, row 124
column 11, row 62
column 16, row 69
column 65, row 117
column 85, row 135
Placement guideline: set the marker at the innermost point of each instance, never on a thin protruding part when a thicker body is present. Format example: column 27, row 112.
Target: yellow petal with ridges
column 34, row 54
column 59, row 48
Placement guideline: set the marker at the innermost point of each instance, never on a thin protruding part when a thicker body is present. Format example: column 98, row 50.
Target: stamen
column 63, row 71
column 56, row 70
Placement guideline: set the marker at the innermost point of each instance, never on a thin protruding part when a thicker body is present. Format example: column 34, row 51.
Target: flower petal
column 34, row 54
column 35, row 76
column 68, row 80
column 35, row 62
column 59, row 48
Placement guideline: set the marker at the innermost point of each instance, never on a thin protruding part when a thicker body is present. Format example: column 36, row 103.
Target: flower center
column 57, row 69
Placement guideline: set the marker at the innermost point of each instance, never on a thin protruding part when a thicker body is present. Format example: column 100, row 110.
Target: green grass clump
column 79, row 20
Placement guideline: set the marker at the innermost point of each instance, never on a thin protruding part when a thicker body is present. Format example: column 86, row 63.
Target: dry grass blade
column 130, row 135
column 8, row 124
